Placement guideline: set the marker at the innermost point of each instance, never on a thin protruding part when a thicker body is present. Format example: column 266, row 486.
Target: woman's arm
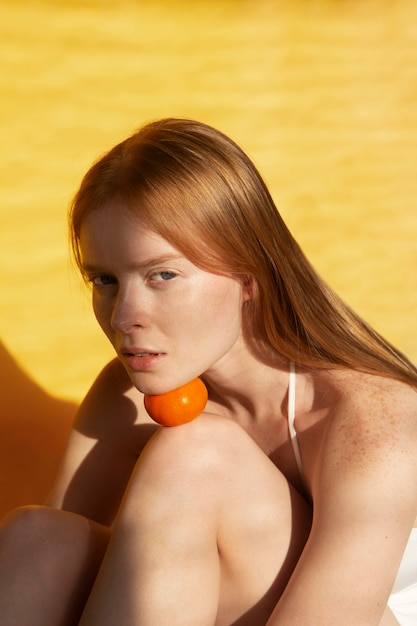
column 365, row 503
column 110, row 431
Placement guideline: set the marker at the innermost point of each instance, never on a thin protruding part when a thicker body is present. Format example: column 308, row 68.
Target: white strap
column 291, row 419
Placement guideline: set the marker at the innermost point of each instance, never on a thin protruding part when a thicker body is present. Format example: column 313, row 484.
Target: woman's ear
column 247, row 288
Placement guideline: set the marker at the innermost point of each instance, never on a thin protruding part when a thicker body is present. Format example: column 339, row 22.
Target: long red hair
column 196, row 188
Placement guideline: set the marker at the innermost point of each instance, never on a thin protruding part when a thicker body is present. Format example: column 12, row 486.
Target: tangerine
column 178, row 406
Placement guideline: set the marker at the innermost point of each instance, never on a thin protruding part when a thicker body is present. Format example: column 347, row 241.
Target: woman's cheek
column 102, row 312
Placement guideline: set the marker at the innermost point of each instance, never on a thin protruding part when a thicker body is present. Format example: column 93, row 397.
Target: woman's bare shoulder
column 372, row 394
column 372, row 418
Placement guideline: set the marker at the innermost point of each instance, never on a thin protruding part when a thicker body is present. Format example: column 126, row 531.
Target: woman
column 290, row 500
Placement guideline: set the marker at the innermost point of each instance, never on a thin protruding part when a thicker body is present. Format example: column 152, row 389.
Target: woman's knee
column 212, row 456
column 50, row 558
column 52, row 533
column 202, row 448
column 189, row 459
column 36, row 522
column 206, row 438
column 29, row 523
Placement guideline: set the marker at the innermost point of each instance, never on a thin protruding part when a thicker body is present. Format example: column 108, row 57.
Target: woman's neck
column 244, row 388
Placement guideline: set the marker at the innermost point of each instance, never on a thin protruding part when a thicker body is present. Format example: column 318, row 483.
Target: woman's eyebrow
column 144, row 264
column 159, row 260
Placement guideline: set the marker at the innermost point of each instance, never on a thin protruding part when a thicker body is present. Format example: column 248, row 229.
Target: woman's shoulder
column 370, row 411
column 371, row 392
column 337, row 390
column 368, row 440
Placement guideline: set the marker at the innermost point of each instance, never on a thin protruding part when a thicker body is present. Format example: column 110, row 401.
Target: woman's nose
column 130, row 311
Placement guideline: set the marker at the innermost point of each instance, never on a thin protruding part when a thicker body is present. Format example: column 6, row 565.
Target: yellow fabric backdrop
column 321, row 93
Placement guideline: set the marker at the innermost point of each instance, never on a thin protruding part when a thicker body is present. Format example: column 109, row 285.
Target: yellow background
column 321, row 93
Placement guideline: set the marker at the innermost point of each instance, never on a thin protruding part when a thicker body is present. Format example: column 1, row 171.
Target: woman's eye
column 162, row 276
column 102, row 279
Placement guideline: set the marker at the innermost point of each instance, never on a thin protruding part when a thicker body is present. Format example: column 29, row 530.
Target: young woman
column 291, row 499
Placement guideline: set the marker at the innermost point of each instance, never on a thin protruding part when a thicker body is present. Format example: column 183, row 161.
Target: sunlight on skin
column 318, row 94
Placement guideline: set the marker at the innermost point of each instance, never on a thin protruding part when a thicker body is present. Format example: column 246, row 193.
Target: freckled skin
column 216, row 511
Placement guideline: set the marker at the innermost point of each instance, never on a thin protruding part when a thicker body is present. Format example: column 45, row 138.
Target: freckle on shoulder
column 377, row 395
column 374, row 417
column 349, row 380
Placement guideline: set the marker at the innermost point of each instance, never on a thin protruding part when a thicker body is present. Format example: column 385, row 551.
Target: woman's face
column 168, row 320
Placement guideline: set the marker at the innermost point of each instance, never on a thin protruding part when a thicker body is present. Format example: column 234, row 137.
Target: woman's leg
column 208, row 533
column 48, row 562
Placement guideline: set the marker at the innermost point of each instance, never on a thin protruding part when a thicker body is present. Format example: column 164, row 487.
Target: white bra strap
column 291, row 419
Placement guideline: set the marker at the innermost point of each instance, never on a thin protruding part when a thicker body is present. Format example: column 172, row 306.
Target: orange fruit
column 178, row 406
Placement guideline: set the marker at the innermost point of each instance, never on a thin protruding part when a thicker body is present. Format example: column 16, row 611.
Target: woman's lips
column 141, row 360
